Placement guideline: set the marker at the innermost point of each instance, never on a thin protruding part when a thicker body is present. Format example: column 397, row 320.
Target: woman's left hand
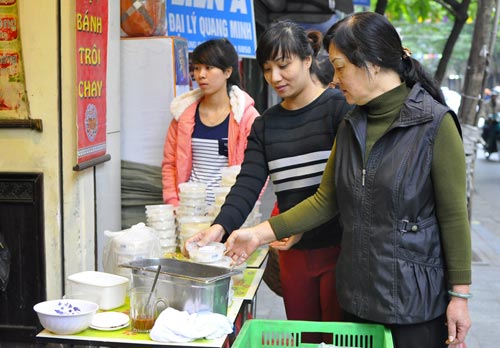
column 242, row 243
column 458, row 321
column 286, row 243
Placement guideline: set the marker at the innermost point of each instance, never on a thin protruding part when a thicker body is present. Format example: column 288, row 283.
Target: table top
column 244, row 287
column 254, row 261
column 258, row 256
column 127, row 336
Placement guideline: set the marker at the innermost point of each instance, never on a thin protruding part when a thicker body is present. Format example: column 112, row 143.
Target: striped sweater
column 291, row 147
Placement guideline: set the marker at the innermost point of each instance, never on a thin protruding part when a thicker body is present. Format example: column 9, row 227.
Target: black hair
column 324, row 69
column 287, row 38
column 369, row 37
column 221, row 54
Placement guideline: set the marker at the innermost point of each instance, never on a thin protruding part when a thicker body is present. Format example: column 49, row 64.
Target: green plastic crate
column 257, row 333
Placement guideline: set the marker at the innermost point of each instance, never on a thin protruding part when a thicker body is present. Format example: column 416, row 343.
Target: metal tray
column 202, row 273
column 185, row 285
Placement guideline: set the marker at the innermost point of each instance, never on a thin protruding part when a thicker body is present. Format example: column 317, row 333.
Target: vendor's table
column 258, row 256
column 244, row 287
column 254, row 261
column 124, row 336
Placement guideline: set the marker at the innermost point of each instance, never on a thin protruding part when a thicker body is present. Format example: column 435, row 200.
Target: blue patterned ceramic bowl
column 67, row 316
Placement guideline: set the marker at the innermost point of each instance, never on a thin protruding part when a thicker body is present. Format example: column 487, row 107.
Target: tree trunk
column 477, row 62
column 460, row 14
column 381, row 6
column 491, row 51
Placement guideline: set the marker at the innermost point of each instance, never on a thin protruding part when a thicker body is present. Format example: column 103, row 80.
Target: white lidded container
column 106, row 289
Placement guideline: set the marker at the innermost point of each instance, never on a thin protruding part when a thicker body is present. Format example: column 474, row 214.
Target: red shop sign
column 91, row 71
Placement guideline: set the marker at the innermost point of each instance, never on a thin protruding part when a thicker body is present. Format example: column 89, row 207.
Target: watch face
column 91, row 122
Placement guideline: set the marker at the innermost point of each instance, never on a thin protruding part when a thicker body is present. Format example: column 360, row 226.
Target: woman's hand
column 458, row 319
column 286, row 243
column 212, row 234
column 242, row 243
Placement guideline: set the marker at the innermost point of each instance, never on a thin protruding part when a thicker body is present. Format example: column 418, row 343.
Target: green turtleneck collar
column 388, row 103
column 381, row 112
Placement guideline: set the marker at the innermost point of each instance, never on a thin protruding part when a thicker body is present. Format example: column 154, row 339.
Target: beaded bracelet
column 460, row 295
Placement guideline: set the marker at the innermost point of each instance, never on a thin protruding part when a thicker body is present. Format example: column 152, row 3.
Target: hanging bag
column 271, row 274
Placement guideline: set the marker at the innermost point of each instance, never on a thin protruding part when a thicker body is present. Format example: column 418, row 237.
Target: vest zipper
column 363, row 175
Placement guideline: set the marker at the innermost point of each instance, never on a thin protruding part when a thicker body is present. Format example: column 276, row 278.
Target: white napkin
column 180, row 326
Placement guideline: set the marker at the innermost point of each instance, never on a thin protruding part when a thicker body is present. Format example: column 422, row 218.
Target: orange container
column 143, row 17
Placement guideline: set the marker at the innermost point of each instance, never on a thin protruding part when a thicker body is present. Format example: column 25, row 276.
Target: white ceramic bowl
column 67, row 316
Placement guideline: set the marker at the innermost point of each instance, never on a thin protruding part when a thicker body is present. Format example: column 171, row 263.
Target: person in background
column 322, row 71
column 491, row 127
column 210, row 124
column 291, row 143
column 397, row 177
column 491, row 135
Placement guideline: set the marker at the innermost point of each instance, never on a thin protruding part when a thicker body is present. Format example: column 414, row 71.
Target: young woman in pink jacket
column 210, row 124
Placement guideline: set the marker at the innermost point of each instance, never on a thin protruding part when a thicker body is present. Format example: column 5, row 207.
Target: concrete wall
column 78, row 206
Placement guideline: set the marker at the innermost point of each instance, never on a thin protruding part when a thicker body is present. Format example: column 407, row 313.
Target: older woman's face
column 356, row 83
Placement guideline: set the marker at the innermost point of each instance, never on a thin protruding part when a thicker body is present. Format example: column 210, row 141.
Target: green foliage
column 417, row 11
column 413, row 11
column 427, row 40
column 425, row 25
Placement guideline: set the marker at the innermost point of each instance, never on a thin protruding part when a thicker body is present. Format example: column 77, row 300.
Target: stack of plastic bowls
column 220, row 196
column 192, row 210
column 161, row 218
column 255, row 216
column 192, row 199
column 228, row 178
column 190, row 225
column 228, row 175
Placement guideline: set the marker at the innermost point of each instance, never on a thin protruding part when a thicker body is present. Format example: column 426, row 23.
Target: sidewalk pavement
column 484, row 307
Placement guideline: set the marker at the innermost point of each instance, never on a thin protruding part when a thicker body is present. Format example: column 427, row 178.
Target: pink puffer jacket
column 177, row 154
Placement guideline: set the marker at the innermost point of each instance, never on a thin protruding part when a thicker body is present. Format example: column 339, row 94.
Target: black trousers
column 429, row 334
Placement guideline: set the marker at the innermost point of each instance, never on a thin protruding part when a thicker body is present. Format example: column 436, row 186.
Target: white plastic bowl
column 67, row 316
column 167, row 209
column 212, row 252
column 191, row 187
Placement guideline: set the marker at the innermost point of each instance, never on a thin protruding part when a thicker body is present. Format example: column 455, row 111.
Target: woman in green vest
column 397, row 177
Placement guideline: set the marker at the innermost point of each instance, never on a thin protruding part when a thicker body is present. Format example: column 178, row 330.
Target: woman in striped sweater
column 291, row 143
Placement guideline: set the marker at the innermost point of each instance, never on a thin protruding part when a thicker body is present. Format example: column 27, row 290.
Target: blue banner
column 361, row 2
column 201, row 20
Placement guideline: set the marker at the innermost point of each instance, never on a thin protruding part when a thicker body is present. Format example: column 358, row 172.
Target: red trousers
column 308, row 282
